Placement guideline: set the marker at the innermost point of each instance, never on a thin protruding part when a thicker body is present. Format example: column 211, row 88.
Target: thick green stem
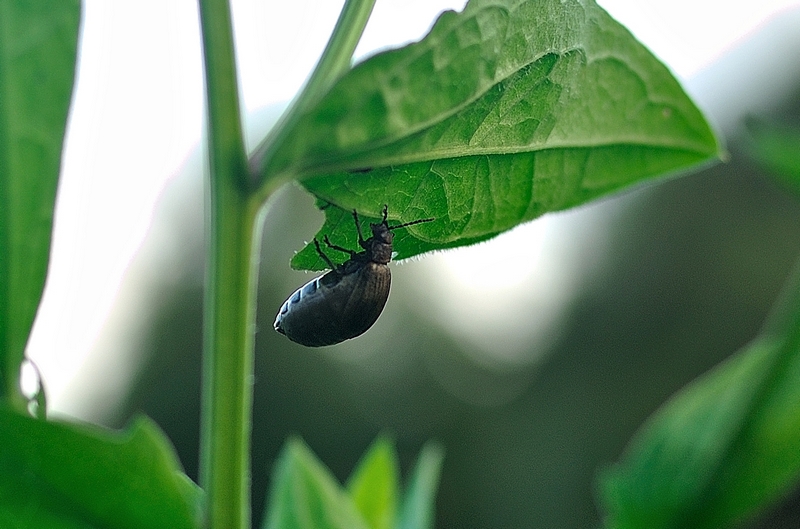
column 228, row 357
column 232, row 249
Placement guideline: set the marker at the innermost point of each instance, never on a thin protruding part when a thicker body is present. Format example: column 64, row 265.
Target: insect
column 346, row 301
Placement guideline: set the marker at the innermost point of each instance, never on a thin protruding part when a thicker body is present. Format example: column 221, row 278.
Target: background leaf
column 373, row 486
column 419, row 501
column 38, row 46
column 65, row 475
column 304, row 494
column 725, row 446
column 504, row 112
column 778, row 149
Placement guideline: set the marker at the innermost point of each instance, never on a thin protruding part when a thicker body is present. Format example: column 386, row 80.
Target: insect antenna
column 406, row 224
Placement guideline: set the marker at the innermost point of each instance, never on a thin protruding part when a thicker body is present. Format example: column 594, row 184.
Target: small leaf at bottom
column 374, row 484
column 305, row 495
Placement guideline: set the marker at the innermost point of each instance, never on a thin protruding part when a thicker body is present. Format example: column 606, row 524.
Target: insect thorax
column 380, row 244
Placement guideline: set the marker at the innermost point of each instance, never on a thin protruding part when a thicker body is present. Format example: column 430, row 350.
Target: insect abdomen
column 339, row 308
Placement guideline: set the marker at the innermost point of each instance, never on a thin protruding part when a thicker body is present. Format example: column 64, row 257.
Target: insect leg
column 322, row 254
column 338, row 248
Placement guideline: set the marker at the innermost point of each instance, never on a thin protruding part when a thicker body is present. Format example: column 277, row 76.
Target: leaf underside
column 504, row 112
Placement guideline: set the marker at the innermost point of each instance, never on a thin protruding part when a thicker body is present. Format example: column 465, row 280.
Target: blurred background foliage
column 695, row 265
column 690, row 269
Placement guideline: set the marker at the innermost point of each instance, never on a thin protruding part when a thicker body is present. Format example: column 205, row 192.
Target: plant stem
column 233, row 235
column 228, row 358
column 334, row 62
column 232, row 249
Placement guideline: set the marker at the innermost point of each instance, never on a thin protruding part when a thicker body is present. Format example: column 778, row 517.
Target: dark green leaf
column 419, row 500
column 723, row 448
column 778, row 149
column 304, row 494
column 373, row 486
column 66, row 475
column 38, row 44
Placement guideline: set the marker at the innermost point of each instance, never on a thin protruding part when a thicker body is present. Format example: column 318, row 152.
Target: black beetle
column 344, row 302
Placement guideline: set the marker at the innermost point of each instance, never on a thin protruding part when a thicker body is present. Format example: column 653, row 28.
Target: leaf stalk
column 335, row 61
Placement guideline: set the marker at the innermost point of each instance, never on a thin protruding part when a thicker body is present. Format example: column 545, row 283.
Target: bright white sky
column 138, row 113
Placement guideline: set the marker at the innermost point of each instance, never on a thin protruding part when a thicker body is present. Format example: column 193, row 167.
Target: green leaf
column 419, row 500
column 373, row 486
column 67, row 475
column 340, row 226
column 502, row 76
column 504, row 112
column 38, row 45
column 304, row 494
column 724, row 447
column 477, row 197
column 778, row 149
